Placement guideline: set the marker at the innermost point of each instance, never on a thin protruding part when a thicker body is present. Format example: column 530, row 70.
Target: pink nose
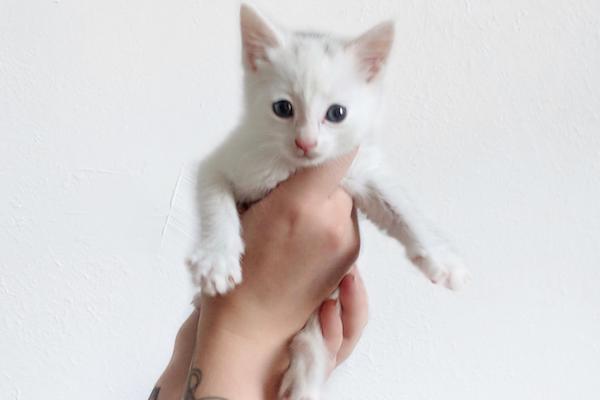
column 305, row 145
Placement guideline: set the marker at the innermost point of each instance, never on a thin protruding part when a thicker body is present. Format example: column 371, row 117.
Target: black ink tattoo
column 154, row 394
column 194, row 380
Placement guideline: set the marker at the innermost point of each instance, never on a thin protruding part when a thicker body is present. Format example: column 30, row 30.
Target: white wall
column 494, row 125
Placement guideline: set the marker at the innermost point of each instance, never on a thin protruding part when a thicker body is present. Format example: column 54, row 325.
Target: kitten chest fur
column 253, row 171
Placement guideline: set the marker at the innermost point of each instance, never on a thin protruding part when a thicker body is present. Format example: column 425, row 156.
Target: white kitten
column 309, row 98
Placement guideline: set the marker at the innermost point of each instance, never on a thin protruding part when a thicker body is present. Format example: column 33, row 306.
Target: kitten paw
column 306, row 374
column 458, row 279
column 443, row 267
column 215, row 273
column 291, row 389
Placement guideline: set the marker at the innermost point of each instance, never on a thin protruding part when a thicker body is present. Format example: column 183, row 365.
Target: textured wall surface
column 494, row 126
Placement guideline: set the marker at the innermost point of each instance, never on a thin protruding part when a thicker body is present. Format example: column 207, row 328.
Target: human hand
column 341, row 330
column 300, row 241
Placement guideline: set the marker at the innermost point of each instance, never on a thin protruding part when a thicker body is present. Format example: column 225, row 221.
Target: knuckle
column 296, row 211
column 344, row 199
column 341, row 237
column 334, row 237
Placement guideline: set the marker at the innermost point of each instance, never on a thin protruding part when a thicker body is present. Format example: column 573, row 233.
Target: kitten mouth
column 305, row 159
column 308, row 156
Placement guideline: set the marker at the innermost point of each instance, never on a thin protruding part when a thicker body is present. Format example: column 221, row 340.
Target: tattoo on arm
column 194, row 380
column 154, row 394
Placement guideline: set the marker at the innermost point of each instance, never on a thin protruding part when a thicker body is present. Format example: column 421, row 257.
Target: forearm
column 171, row 383
column 230, row 365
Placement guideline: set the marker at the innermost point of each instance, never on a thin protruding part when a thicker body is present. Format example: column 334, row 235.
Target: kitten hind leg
column 306, row 374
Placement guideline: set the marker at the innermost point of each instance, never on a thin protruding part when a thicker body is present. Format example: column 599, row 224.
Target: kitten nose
column 305, row 145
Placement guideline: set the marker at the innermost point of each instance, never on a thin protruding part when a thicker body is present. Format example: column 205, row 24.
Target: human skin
column 300, row 243
column 341, row 331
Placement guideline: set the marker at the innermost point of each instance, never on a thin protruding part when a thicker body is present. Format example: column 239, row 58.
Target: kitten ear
column 372, row 48
column 258, row 36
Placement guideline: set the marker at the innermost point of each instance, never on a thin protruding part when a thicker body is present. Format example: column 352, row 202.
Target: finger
column 354, row 303
column 318, row 182
column 331, row 326
column 353, row 299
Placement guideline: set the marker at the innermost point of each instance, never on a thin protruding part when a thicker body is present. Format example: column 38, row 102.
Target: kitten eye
column 336, row 113
column 283, row 109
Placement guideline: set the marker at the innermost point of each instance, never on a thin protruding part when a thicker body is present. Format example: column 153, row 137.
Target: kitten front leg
column 215, row 265
column 388, row 206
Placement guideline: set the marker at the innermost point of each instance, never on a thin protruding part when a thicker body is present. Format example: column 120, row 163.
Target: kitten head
column 310, row 96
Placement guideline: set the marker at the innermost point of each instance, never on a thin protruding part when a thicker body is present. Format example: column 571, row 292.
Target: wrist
column 234, row 361
column 248, row 318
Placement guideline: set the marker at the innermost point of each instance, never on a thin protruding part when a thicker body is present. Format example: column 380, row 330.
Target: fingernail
column 351, row 279
column 327, row 303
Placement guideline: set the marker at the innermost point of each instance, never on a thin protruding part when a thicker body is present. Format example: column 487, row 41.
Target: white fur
column 312, row 71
